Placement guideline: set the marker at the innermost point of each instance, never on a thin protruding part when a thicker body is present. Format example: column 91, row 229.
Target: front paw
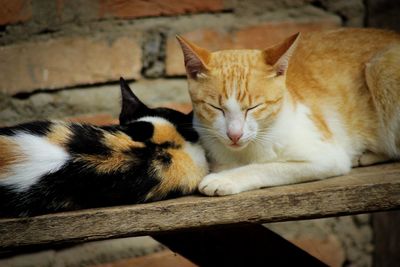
column 216, row 184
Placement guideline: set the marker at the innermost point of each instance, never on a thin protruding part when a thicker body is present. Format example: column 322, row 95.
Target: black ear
column 185, row 128
column 140, row 130
column 131, row 107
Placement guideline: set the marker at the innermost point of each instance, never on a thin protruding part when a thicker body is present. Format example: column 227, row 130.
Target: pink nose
column 234, row 136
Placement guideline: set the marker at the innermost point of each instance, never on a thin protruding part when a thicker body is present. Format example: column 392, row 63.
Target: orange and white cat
column 308, row 108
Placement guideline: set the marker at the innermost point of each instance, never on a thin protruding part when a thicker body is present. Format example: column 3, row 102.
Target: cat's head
column 237, row 94
column 132, row 110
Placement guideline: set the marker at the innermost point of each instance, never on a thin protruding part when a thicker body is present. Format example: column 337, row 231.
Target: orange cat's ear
column 196, row 58
column 279, row 55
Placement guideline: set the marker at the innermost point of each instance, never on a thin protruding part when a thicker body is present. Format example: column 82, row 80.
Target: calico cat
column 308, row 108
column 51, row 166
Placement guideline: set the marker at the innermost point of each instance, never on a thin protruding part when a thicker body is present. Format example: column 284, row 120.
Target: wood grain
column 363, row 190
column 386, row 238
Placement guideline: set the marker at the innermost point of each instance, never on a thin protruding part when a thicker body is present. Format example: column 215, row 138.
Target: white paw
column 216, row 184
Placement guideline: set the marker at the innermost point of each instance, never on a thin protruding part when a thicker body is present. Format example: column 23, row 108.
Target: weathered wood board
column 363, row 190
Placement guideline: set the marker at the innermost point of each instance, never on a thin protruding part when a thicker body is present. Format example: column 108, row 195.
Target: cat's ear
column 279, row 55
column 131, row 105
column 196, row 58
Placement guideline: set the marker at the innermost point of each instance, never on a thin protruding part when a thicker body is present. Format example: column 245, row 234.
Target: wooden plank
column 237, row 245
column 363, row 190
column 386, row 238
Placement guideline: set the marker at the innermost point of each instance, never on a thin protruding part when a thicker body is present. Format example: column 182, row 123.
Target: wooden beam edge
column 362, row 191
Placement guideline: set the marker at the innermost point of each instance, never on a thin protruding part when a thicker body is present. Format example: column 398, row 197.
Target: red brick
column 13, row 11
column 182, row 107
column 126, row 9
column 160, row 259
column 107, row 119
column 97, row 119
column 328, row 249
column 257, row 37
column 264, row 35
column 208, row 38
column 67, row 61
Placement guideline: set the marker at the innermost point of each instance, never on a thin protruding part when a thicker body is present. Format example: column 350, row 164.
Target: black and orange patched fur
column 51, row 166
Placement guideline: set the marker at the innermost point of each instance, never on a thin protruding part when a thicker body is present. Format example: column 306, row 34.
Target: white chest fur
column 293, row 137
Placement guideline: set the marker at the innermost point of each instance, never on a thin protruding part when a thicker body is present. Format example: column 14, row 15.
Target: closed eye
column 217, row 108
column 254, row 107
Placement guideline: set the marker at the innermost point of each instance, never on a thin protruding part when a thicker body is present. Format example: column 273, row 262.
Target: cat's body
column 53, row 166
column 309, row 108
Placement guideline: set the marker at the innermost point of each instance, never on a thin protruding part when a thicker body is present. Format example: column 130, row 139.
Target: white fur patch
column 155, row 120
column 197, row 154
column 233, row 106
column 42, row 157
column 235, row 122
column 291, row 150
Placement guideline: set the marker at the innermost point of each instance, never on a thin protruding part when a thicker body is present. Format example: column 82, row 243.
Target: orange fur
column 117, row 161
column 59, row 134
column 320, row 123
column 167, row 133
column 244, row 70
column 304, row 109
column 327, row 72
column 182, row 173
column 342, row 83
column 120, row 141
column 10, row 154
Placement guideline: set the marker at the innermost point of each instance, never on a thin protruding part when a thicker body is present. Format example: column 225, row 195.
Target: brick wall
column 58, row 44
column 63, row 59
